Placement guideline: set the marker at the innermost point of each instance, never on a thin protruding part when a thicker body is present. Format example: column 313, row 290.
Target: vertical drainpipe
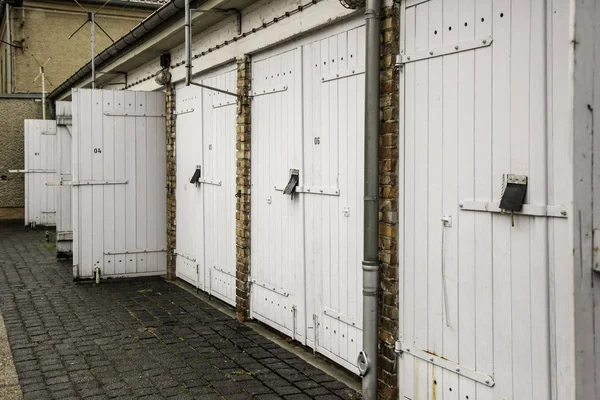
column 93, row 37
column 9, row 51
column 367, row 359
column 188, row 44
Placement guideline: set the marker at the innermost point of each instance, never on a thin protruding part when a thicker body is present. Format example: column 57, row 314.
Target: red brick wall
column 388, row 204
column 243, row 189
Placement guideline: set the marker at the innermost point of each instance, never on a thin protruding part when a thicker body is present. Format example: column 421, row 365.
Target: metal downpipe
column 188, row 44
column 368, row 357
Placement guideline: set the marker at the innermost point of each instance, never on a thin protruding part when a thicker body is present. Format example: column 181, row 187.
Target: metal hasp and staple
column 367, row 358
column 290, row 188
column 197, row 175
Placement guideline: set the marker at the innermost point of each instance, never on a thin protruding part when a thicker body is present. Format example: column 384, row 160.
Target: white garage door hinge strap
column 443, row 363
column 187, row 111
column 133, row 251
column 528, row 209
column 226, row 104
column 134, row 114
column 86, row 183
column 268, row 286
column 340, row 317
column 184, row 255
column 223, row 271
column 465, row 45
column 49, row 133
column 269, row 91
column 342, row 74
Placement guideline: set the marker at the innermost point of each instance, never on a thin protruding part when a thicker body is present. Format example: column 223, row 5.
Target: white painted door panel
column 119, row 179
column 333, row 158
column 277, row 231
column 206, row 223
column 307, row 114
column 219, row 185
column 473, row 291
column 63, row 176
column 40, row 167
column 190, row 213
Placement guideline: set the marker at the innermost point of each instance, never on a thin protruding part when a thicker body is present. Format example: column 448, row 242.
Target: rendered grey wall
column 12, row 114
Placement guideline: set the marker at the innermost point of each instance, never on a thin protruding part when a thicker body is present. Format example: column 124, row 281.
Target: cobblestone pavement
column 143, row 338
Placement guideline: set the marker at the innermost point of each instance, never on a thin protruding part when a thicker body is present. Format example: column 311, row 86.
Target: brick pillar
column 242, row 235
column 171, row 183
column 388, row 204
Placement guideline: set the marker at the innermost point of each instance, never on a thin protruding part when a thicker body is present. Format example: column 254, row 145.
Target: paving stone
column 133, row 339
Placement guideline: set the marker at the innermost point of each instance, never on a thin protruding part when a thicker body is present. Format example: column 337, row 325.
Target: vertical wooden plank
column 502, row 278
column 518, row 19
column 161, row 168
column 346, row 268
column 466, row 181
column 131, row 202
column 483, row 182
column 408, row 369
column 97, row 174
column 108, row 158
column 449, row 190
column 424, row 100
column 323, row 133
column 75, row 165
column 27, row 163
column 153, row 181
column 121, row 155
column 311, row 274
column 433, row 168
column 141, row 188
column 86, row 152
column 331, row 145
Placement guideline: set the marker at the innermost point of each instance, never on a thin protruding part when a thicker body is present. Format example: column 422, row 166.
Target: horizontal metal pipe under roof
column 20, row 96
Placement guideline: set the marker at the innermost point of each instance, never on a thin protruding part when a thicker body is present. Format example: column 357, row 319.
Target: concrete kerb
column 9, row 381
column 303, row 353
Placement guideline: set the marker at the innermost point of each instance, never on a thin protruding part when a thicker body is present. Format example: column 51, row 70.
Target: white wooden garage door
column 119, row 180
column 40, row 167
column 206, row 122
column 474, row 320
column 307, row 115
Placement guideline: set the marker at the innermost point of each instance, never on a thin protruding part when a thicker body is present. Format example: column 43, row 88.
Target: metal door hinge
column 448, row 365
column 472, row 44
column 134, row 114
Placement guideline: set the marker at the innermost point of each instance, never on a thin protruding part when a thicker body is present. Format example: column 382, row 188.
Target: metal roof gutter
column 156, row 22
column 113, row 3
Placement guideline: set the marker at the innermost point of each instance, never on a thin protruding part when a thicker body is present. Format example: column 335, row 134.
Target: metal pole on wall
column 188, row 43
column 367, row 360
column 9, row 51
column 92, row 19
column 43, row 93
